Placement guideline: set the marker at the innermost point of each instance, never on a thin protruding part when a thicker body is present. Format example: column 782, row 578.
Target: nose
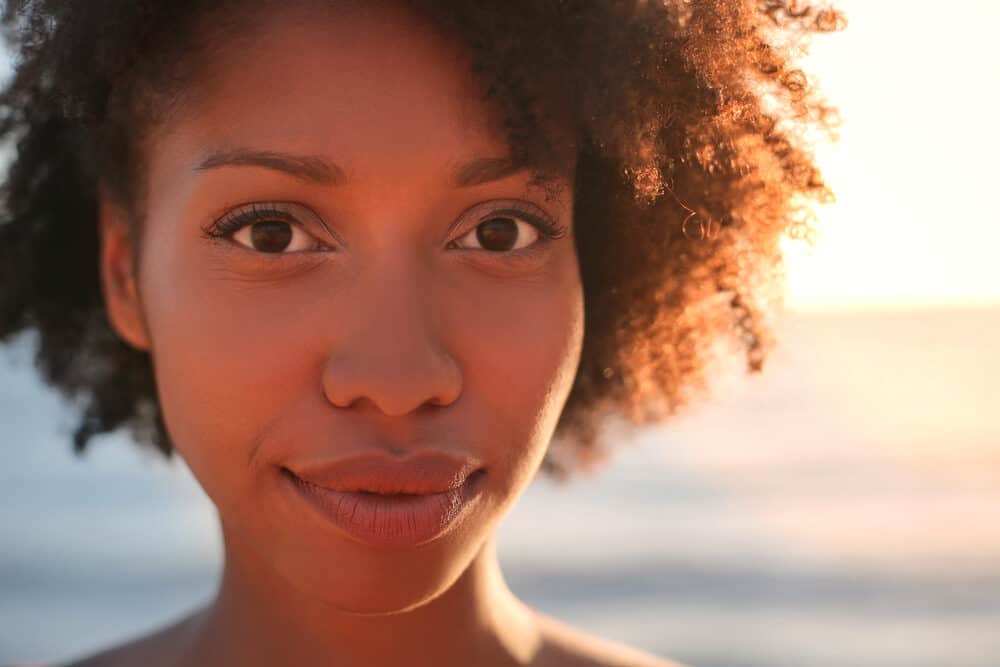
column 386, row 352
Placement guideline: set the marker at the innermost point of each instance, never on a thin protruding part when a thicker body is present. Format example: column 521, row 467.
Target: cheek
column 229, row 357
column 522, row 353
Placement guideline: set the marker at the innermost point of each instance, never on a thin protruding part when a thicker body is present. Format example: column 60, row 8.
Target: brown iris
column 271, row 236
column 501, row 231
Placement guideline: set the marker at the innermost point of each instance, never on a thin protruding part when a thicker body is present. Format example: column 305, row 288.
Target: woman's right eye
column 273, row 229
column 274, row 237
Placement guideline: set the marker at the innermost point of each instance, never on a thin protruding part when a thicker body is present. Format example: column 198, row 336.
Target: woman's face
column 365, row 314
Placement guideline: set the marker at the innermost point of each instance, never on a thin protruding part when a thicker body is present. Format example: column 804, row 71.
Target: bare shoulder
column 154, row 649
column 566, row 646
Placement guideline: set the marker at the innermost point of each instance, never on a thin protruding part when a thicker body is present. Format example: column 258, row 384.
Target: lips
column 388, row 502
column 425, row 473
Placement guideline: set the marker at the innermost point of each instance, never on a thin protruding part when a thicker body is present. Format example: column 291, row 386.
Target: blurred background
column 842, row 509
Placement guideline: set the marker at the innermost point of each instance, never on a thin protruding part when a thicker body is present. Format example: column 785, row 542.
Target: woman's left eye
column 502, row 234
column 509, row 231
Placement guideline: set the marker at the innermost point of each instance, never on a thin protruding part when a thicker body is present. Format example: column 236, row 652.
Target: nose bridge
column 391, row 354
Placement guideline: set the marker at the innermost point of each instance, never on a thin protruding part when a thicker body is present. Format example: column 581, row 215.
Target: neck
column 259, row 619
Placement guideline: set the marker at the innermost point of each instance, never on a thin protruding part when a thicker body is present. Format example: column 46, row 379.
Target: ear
column 118, row 282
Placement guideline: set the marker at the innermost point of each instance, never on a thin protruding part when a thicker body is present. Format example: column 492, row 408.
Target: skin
column 387, row 329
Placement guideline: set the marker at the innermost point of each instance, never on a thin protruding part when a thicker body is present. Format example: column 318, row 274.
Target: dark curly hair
column 689, row 115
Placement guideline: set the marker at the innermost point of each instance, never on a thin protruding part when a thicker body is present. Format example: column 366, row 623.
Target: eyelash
column 247, row 215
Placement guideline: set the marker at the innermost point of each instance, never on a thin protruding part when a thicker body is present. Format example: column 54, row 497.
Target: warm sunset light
column 915, row 223
column 362, row 445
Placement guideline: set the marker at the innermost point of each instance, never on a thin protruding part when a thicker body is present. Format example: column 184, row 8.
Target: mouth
column 425, row 473
column 289, row 473
column 392, row 520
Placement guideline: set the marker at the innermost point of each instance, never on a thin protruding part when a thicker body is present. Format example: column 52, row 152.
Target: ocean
column 841, row 509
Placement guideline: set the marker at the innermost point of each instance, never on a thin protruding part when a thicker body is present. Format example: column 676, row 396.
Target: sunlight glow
column 915, row 222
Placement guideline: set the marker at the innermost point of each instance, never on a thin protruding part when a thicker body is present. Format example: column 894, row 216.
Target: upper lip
column 424, row 473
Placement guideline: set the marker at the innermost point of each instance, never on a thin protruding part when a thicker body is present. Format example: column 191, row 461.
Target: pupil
column 271, row 236
column 502, row 231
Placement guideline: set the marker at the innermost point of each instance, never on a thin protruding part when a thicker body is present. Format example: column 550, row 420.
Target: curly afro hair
column 689, row 115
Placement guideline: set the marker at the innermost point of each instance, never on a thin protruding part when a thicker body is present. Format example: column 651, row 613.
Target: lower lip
column 390, row 520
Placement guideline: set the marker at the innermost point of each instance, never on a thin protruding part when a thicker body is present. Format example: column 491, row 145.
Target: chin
column 362, row 580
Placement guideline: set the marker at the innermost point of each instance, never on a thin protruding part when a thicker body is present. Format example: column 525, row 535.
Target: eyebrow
column 316, row 169
column 305, row 167
column 484, row 170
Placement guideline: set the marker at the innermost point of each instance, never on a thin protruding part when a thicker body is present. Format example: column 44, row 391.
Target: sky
column 914, row 223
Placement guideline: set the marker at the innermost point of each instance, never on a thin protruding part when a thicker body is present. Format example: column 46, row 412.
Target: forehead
column 372, row 86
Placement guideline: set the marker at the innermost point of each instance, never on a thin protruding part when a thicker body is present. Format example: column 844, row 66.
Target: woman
column 268, row 236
